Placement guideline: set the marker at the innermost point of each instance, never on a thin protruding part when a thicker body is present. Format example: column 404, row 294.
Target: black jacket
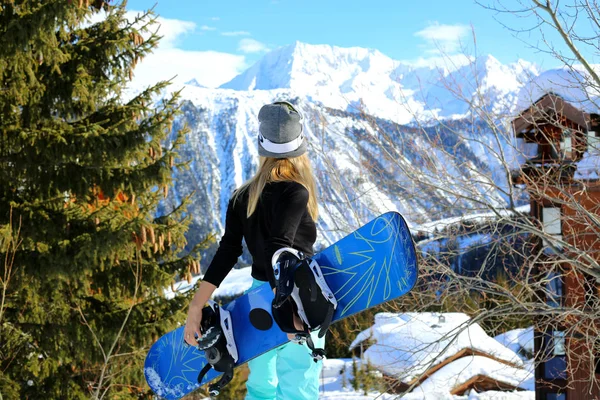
column 281, row 219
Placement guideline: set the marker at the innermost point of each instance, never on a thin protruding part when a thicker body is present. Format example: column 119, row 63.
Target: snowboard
column 372, row 265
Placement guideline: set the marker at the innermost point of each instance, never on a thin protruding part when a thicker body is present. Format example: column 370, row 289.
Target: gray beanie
column 280, row 131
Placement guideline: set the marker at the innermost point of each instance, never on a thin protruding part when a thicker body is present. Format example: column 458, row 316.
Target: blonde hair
column 295, row 169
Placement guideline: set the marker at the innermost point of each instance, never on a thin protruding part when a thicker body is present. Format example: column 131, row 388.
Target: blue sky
column 231, row 35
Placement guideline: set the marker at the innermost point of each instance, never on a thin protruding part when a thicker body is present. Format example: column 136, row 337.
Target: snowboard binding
column 302, row 294
column 283, row 269
column 218, row 345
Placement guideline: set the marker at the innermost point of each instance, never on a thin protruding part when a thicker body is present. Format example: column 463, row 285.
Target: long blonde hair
column 295, row 169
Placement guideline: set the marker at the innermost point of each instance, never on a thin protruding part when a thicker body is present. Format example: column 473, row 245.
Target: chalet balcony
column 537, row 170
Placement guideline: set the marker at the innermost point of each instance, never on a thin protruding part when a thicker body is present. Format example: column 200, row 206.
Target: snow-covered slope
column 359, row 176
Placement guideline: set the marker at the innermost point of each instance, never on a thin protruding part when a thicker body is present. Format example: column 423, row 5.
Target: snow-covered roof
column 517, row 339
column 337, row 375
column 441, row 224
column 545, row 110
column 459, row 372
column 573, row 84
column 589, row 165
column 409, row 344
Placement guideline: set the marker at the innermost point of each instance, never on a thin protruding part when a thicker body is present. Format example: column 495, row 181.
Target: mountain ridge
column 355, row 78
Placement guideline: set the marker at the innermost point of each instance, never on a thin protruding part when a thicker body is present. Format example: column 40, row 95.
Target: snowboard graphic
column 374, row 264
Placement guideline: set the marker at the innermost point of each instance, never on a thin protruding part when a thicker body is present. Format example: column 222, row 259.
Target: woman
column 276, row 208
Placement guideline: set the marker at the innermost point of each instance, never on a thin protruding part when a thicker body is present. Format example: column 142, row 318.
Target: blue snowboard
column 374, row 264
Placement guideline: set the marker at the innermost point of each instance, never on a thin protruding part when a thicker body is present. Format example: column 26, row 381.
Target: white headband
column 280, row 148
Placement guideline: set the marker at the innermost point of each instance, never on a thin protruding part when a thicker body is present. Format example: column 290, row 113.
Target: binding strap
column 301, row 290
column 316, row 353
column 326, row 322
column 218, row 345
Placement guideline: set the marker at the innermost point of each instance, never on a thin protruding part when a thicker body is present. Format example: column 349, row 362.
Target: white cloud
column 207, row 28
column 252, row 46
column 170, row 29
column 442, row 38
column 236, row 33
column 209, row 68
column 215, row 18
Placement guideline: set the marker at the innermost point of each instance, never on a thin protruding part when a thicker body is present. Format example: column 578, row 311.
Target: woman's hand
column 192, row 327
column 191, row 331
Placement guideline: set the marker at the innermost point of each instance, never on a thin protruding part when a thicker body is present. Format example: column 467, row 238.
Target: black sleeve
column 290, row 208
column 230, row 248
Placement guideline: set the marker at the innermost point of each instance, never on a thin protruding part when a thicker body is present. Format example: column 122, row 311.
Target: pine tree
column 356, row 380
column 82, row 172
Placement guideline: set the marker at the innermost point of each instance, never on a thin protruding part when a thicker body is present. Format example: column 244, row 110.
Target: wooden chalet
column 554, row 136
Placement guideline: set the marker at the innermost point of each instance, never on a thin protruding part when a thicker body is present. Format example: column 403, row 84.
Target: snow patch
column 236, row 283
column 160, row 388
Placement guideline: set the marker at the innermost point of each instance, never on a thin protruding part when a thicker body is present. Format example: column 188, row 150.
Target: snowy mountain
column 194, row 82
column 361, row 111
column 362, row 79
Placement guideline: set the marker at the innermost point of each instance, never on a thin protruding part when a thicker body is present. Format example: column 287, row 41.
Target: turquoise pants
column 287, row 372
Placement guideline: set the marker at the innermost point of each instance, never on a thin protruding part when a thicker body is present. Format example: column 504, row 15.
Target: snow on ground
column 335, row 382
column 335, row 385
column 408, row 344
column 236, row 282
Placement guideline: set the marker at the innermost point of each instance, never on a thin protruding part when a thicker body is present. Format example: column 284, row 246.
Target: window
column 566, row 145
column 554, row 287
column 558, row 343
column 556, row 396
column 552, row 227
column 551, row 220
column 526, row 150
column 555, row 366
column 593, row 141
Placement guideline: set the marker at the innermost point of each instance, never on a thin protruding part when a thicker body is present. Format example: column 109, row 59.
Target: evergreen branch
column 69, row 147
